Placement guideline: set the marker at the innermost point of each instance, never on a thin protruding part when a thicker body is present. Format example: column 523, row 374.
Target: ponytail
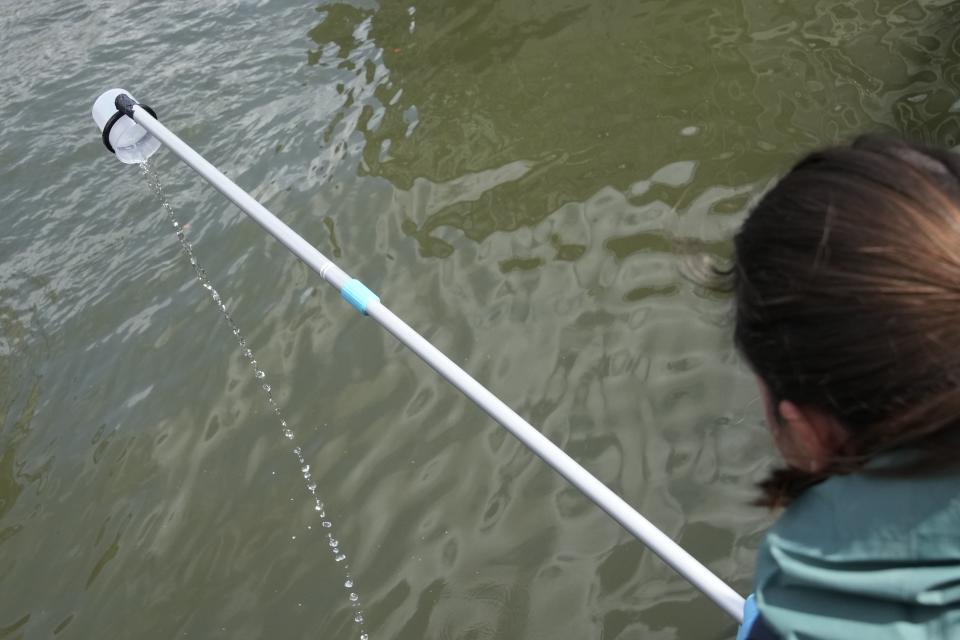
column 847, row 292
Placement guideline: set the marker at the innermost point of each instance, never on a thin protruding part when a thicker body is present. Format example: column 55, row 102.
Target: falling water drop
column 258, row 373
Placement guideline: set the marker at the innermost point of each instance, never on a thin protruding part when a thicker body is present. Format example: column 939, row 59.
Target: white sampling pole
column 369, row 304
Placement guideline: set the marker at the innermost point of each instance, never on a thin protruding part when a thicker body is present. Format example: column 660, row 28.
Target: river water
column 523, row 182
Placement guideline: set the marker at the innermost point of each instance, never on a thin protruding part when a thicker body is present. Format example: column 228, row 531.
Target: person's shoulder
column 865, row 556
column 867, row 516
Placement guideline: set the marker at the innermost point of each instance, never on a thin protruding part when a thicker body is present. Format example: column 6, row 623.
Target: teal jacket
column 867, row 558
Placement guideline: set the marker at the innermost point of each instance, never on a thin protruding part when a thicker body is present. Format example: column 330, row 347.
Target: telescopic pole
column 369, row 304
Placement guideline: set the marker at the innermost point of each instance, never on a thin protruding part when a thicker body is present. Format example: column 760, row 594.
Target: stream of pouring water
column 333, row 545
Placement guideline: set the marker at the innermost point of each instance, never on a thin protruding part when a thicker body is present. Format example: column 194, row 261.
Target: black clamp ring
column 124, row 104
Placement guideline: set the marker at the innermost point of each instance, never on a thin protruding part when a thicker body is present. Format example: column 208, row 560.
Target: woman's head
column 847, row 287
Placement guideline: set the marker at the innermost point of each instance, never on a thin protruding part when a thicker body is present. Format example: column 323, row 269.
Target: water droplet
column 333, row 542
column 288, row 434
column 340, row 558
column 266, row 388
column 259, row 374
column 348, row 584
column 327, row 524
column 247, row 354
column 298, row 451
column 311, row 486
column 305, row 468
column 364, row 636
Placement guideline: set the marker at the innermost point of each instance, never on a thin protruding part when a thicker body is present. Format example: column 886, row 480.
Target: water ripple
column 528, row 184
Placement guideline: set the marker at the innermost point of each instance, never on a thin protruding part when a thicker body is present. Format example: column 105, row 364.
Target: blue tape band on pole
column 358, row 295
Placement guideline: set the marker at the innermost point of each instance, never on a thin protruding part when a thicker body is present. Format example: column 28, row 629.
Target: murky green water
column 520, row 181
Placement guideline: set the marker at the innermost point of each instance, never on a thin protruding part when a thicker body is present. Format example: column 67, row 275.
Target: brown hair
column 847, row 291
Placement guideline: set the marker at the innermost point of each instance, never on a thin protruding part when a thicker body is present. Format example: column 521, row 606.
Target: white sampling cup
column 131, row 143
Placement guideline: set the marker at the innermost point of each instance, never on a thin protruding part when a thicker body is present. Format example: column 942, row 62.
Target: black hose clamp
column 125, row 105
